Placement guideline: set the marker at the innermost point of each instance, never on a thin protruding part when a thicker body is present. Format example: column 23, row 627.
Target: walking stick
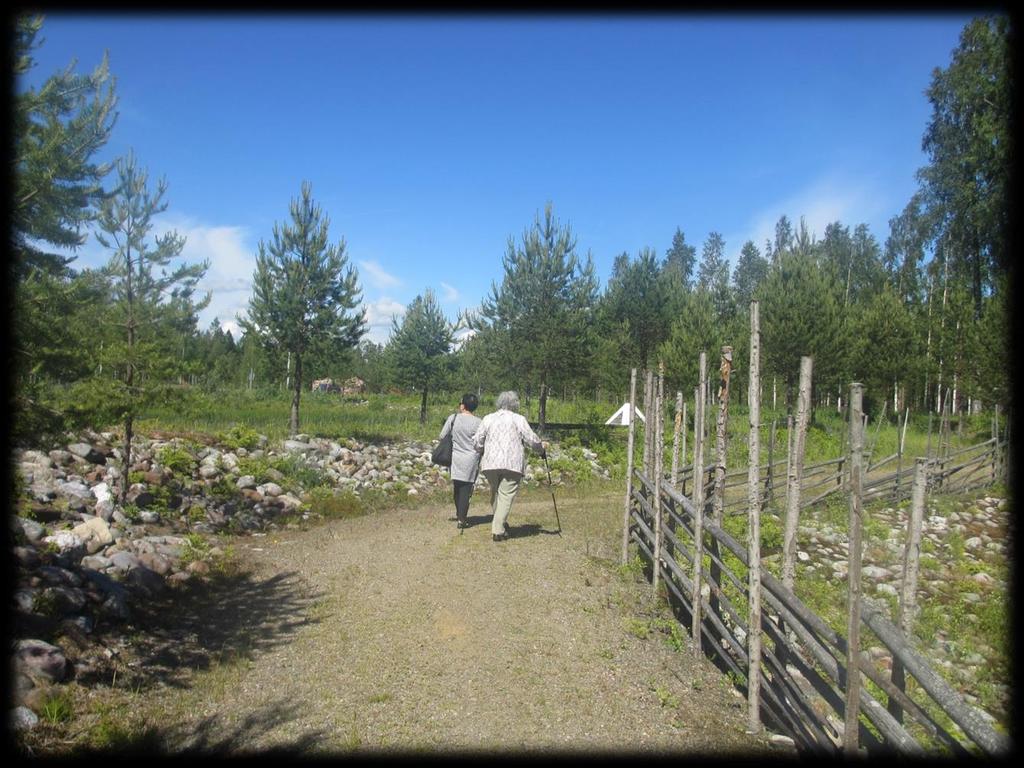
column 552, row 493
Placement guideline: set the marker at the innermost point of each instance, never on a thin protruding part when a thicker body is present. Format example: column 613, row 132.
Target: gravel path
column 395, row 633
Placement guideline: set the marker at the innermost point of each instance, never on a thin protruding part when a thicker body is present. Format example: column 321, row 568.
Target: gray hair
column 508, row 401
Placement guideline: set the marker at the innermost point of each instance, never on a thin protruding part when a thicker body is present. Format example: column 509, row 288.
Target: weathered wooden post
column 718, row 499
column 725, row 369
column 769, row 481
column 698, row 505
column 851, row 737
column 648, row 397
column 682, row 449
column 659, row 457
column 754, row 527
column 899, row 455
column 911, row 563
column 629, row 466
column 796, row 473
column 677, row 427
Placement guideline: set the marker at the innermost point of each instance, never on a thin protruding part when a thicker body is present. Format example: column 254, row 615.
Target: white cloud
column 378, row 318
column 831, row 198
column 231, row 327
column 451, row 295
column 376, row 275
column 232, row 262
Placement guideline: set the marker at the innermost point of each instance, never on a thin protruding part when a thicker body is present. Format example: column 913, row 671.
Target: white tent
column 621, row 416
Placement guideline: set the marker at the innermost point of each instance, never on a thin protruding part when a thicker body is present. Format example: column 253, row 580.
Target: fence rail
column 803, row 662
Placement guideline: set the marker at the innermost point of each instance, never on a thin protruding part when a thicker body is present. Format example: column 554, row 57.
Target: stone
column 155, row 562
column 123, row 561
column 23, row 719
column 33, row 531
column 40, row 659
column 116, row 607
column 67, row 543
column 146, row 579
column 270, row 489
column 87, row 452
column 27, row 557
column 246, row 482
column 983, row 578
column 95, row 528
column 96, row 562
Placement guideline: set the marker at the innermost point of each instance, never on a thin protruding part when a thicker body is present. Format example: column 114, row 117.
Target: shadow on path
column 208, row 737
column 222, row 619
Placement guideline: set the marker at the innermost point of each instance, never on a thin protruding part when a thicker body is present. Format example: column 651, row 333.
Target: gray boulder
column 41, row 660
column 87, row 452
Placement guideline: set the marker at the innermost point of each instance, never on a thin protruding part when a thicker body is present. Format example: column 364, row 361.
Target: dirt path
column 393, row 632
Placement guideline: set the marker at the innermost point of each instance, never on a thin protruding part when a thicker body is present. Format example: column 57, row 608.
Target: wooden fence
column 803, row 662
column 970, row 468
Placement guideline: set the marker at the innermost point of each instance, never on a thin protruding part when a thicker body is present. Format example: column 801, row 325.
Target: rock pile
column 83, row 557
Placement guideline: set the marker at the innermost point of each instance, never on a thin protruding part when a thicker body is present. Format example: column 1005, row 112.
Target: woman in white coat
column 502, row 436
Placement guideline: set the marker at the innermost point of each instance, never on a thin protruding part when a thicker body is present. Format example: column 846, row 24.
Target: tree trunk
column 296, row 394
column 423, row 406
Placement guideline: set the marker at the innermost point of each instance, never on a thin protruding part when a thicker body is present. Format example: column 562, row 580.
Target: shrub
column 325, row 502
column 176, row 459
column 240, row 436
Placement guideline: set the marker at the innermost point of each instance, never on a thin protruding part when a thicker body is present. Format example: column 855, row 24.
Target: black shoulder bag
column 442, row 454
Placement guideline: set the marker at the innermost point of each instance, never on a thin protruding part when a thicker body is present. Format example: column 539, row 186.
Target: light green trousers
column 504, row 485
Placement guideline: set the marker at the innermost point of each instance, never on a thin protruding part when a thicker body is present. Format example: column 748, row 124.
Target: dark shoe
column 499, row 536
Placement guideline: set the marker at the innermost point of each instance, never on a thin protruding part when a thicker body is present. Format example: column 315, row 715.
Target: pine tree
column 420, row 346
column 56, row 188
column 150, row 309
column 635, row 295
column 540, row 318
column 304, row 293
column 713, row 276
column 751, row 269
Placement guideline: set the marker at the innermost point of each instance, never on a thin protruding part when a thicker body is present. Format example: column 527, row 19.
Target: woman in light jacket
column 465, row 458
column 502, row 436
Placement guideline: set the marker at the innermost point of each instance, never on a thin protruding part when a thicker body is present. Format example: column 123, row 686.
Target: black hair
column 471, row 401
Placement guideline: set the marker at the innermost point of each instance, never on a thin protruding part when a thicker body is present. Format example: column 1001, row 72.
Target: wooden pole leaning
column 659, row 457
column 851, row 736
column 698, row 506
column 911, row 565
column 629, row 466
column 754, row 527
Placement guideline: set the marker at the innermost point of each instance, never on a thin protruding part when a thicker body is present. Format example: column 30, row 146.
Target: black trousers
column 462, row 491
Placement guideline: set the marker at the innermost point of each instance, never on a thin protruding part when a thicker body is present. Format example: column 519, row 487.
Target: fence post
column 769, row 481
column 851, row 737
column 754, row 527
column 648, row 396
column 698, row 505
column 899, row 454
column 796, row 473
column 911, row 561
column 659, row 457
column 718, row 497
column 629, row 465
column 675, row 439
column 725, row 369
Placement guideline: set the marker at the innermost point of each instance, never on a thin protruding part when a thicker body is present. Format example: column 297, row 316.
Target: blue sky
column 430, row 140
